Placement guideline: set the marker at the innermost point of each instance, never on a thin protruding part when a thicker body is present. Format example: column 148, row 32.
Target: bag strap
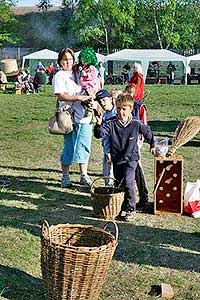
column 76, row 77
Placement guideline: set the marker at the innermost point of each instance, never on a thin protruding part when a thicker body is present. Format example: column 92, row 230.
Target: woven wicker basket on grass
column 106, row 201
column 75, row 259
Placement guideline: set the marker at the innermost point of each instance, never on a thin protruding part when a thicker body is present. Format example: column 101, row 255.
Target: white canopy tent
column 46, row 56
column 194, row 61
column 146, row 56
column 193, row 69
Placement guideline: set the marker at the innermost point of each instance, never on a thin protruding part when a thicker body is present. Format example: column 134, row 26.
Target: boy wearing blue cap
column 106, row 103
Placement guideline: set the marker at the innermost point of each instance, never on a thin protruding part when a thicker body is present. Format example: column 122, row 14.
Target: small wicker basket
column 75, row 260
column 106, row 201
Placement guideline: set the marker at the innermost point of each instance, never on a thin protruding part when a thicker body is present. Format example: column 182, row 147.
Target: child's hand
column 84, row 73
column 152, row 151
column 108, row 158
column 98, row 119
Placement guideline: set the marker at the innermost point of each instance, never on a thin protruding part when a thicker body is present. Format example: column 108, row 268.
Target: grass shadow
column 34, row 199
column 159, row 247
column 163, row 126
column 170, row 126
column 16, row 284
column 14, row 168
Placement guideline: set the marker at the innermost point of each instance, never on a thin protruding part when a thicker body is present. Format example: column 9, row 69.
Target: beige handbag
column 62, row 121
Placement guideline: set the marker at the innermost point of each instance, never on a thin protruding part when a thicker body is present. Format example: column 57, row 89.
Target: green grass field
column 151, row 250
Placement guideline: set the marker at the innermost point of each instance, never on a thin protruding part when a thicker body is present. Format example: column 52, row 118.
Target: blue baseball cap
column 102, row 94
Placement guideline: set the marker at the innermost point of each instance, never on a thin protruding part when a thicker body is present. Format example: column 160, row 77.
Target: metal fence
column 188, row 52
column 15, row 52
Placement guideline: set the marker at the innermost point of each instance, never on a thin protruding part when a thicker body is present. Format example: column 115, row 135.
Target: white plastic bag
column 192, row 199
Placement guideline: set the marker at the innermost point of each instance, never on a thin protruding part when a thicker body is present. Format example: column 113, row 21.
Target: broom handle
column 159, row 180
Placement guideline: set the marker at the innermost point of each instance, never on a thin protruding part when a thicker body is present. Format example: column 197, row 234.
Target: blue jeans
column 77, row 145
column 107, row 171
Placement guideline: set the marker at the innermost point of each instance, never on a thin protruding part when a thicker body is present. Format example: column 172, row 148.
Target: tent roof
column 42, row 54
column 194, row 57
column 100, row 57
column 193, row 61
column 145, row 54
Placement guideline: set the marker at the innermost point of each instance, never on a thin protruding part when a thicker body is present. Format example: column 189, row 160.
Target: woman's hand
column 67, row 97
column 83, row 98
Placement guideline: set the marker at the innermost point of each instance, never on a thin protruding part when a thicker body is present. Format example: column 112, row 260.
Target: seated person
column 19, row 82
column 28, row 82
column 3, row 80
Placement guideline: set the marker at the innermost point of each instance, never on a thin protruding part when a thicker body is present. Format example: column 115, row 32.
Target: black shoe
column 141, row 205
column 119, row 217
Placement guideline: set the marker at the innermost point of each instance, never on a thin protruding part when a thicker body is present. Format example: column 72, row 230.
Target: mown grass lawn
column 151, row 250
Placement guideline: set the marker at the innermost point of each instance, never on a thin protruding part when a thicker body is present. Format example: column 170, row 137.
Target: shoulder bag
column 62, row 121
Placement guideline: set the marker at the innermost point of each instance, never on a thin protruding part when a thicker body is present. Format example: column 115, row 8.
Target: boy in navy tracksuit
column 120, row 142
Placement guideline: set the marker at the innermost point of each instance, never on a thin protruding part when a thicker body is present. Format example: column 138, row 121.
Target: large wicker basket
column 106, row 201
column 75, row 260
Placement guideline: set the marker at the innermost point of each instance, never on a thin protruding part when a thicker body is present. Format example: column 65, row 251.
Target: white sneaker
column 85, row 180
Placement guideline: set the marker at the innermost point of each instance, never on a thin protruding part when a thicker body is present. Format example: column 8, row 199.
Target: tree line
column 114, row 24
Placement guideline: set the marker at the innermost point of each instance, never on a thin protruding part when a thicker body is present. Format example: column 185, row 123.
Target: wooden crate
column 168, row 179
column 18, row 91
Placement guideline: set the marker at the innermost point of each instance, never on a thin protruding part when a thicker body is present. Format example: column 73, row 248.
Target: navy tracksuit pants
column 141, row 185
column 125, row 173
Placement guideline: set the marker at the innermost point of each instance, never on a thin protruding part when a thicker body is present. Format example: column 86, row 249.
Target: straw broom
column 184, row 132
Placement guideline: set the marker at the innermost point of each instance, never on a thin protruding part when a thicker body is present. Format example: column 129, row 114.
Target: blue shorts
column 77, row 145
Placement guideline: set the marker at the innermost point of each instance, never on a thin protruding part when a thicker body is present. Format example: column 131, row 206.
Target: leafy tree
column 167, row 23
column 105, row 23
column 7, row 23
column 188, row 24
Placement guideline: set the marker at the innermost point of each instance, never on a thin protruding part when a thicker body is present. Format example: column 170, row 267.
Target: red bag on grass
column 192, row 199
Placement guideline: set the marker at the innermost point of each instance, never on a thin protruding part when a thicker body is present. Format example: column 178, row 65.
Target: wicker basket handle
column 45, row 229
column 116, row 234
column 103, row 177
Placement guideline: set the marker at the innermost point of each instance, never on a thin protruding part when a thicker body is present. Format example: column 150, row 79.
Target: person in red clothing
column 50, row 72
column 137, row 80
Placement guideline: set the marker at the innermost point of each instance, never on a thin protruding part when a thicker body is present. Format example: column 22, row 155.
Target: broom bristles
column 184, row 132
